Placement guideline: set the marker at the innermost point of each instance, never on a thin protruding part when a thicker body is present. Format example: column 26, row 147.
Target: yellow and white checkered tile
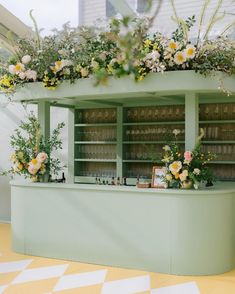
column 21, row 274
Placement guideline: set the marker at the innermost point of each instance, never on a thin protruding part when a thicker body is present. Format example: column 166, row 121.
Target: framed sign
column 158, row 177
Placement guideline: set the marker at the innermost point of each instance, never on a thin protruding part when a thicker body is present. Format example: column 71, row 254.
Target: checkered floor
column 21, row 274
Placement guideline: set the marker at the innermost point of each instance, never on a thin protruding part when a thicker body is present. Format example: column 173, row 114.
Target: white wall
column 95, row 9
column 10, row 118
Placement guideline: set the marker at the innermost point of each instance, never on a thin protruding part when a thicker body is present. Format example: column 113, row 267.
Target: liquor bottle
column 118, row 181
column 124, row 181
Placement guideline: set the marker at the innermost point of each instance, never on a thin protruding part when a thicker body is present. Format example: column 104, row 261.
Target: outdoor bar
column 112, row 130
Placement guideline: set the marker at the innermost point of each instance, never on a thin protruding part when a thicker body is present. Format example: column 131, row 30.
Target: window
column 143, row 5
column 110, row 10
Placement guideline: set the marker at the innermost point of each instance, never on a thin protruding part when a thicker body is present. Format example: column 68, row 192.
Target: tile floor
column 22, row 274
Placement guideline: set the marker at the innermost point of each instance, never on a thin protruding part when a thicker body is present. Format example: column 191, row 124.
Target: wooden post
column 44, row 118
column 70, row 177
column 191, row 120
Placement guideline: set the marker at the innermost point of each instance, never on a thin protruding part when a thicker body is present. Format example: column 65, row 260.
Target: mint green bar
column 183, row 232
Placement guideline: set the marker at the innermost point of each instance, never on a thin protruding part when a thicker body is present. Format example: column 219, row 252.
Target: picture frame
column 158, row 174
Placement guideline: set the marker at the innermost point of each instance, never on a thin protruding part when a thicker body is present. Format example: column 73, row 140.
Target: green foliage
column 32, row 155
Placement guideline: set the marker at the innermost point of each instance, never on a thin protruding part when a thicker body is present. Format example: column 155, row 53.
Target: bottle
column 112, row 182
column 118, row 181
column 63, row 178
column 124, row 181
column 137, row 180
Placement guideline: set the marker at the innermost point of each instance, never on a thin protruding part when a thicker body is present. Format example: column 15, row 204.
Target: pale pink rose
column 32, row 170
column 31, row 74
column 42, row 157
column 188, row 156
column 22, row 75
column 26, row 59
column 12, row 69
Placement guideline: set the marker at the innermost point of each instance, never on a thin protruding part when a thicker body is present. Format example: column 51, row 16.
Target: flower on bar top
column 184, row 166
column 75, row 53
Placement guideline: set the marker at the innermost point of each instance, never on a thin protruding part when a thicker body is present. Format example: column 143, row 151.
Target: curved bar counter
column 185, row 232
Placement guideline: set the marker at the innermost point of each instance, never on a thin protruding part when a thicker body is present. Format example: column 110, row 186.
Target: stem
column 36, row 28
column 202, row 15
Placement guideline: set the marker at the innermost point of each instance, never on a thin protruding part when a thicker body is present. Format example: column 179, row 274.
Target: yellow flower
column 148, row 43
column 20, row 155
column 176, row 175
column 34, row 161
column 175, row 167
column 13, row 157
column 84, row 72
column 20, row 166
column 190, row 51
column 168, row 177
column 172, row 46
column 19, row 67
column 180, row 57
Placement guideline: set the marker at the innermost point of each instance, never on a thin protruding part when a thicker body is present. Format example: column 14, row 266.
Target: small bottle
column 103, row 182
column 112, row 182
column 107, row 182
column 124, row 181
column 99, row 181
column 63, row 178
column 118, row 181
column 96, row 181
column 137, row 180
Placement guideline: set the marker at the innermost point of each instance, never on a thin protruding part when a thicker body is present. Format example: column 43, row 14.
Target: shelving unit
column 218, row 122
column 142, row 132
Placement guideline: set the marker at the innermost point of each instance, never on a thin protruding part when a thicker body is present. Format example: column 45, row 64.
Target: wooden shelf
column 222, row 162
column 95, row 142
column 217, row 121
column 97, row 125
column 94, row 160
column 154, row 123
column 218, row 142
column 141, row 160
column 149, row 142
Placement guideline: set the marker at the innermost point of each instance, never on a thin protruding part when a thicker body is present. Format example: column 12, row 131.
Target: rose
column 26, row 59
column 32, row 170
column 42, row 157
column 175, row 167
column 31, row 75
column 196, row 171
column 188, row 156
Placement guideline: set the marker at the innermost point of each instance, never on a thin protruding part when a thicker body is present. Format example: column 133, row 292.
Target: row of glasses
column 222, row 151
column 143, row 151
column 219, row 132
column 152, row 133
column 97, row 151
column 139, row 170
column 155, row 113
column 97, row 134
column 104, row 174
column 224, row 172
column 217, row 111
column 101, row 115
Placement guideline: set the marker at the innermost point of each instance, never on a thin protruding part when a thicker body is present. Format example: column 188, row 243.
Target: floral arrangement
column 32, row 155
column 124, row 48
column 189, row 168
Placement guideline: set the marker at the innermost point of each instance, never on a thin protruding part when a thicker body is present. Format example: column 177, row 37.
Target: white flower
column 175, row 167
column 66, row 62
column 196, row 186
column 42, row 157
column 176, row 132
column 172, row 46
column 166, row 148
column 84, row 72
column 22, row 75
column 19, row 67
column 12, row 69
column 180, row 57
column 26, row 59
column 169, row 177
column 190, row 51
column 196, row 171
column 31, row 74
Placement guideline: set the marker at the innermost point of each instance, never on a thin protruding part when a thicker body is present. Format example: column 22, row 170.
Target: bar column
column 191, row 120
column 71, row 122
column 119, row 141
column 44, row 118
